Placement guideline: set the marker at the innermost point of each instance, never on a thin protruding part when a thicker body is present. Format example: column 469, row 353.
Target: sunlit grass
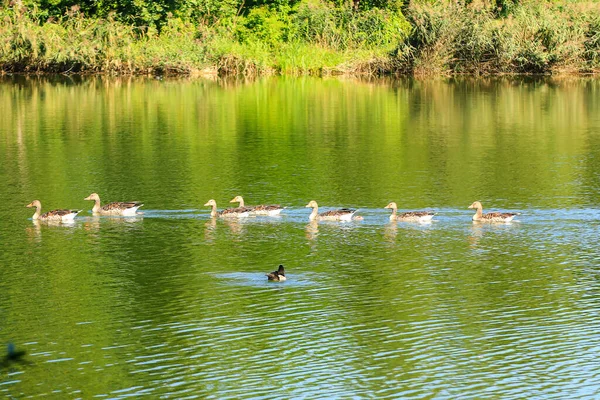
column 444, row 38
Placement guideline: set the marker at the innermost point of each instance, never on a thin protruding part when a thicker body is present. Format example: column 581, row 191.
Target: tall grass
column 538, row 37
column 77, row 44
column 315, row 37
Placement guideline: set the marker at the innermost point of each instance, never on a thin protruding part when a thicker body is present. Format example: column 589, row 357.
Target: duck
column 342, row 214
column 270, row 210
column 409, row 216
column 278, row 275
column 61, row 215
column 239, row 212
column 490, row 217
column 128, row 208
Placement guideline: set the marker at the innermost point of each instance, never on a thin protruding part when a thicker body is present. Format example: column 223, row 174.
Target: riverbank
column 313, row 38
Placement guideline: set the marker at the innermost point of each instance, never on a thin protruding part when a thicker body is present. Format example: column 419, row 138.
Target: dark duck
column 278, row 275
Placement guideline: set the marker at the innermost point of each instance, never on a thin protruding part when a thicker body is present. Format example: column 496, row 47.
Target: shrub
column 343, row 28
column 592, row 42
column 535, row 38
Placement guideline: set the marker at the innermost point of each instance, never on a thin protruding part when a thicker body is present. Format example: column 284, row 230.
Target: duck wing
column 121, row 205
column 59, row 213
column 273, row 276
column 337, row 213
column 269, row 207
column 416, row 214
column 499, row 215
column 237, row 210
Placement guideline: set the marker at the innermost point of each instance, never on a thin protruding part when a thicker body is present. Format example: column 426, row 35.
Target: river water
column 174, row 304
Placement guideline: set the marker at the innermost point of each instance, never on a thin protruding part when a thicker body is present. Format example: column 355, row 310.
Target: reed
column 314, row 37
column 537, row 37
column 75, row 44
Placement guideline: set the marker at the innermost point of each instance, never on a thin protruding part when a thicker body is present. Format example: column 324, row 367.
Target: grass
column 78, row 44
column 539, row 37
column 316, row 38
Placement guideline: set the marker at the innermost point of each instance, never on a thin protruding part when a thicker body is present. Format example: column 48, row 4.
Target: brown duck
column 342, row 214
column 61, row 215
column 409, row 216
column 126, row 208
column 490, row 217
column 270, row 210
column 239, row 212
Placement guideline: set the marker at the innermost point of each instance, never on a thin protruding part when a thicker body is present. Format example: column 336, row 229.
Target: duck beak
column 87, row 198
column 471, row 206
column 29, row 205
column 207, row 204
column 233, row 201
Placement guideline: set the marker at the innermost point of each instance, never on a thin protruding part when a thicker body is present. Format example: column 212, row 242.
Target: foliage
column 300, row 36
column 265, row 25
column 77, row 44
column 342, row 28
column 141, row 13
column 592, row 41
column 535, row 38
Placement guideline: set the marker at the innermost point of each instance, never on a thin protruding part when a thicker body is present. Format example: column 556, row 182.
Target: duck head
column 35, row 203
column 211, row 202
column 93, row 196
column 392, row 205
column 237, row 199
column 476, row 205
column 312, row 204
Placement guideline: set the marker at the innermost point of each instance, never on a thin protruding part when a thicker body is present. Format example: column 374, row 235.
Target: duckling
column 491, row 217
column 61, row 215
column 343, row 214
column 278, row 275
column 270, row 210
column 239, row 212
column 128, row 208
column 410, row 216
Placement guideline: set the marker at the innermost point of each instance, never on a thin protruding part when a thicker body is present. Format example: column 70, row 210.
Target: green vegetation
column 535, row 38
column 300, row 37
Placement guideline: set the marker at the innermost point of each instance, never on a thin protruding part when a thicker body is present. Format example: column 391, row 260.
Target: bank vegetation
column 254, row 37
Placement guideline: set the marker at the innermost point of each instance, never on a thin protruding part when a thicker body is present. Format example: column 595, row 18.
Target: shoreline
column 212, row 74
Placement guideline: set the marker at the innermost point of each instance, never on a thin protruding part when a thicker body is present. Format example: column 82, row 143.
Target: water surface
column 174, row 304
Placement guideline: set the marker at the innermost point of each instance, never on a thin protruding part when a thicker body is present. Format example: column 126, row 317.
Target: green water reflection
column 172, row 303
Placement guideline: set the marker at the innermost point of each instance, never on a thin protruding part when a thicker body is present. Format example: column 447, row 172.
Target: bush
column 592, row 42
column 535, row 38
column 77, row 44
column 266, row 25
column 343, row 28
